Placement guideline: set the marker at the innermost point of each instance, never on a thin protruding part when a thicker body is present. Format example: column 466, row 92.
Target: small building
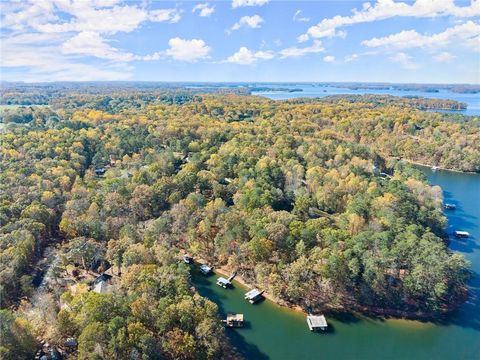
column 254, row 296
column 102, row 284
column 100, row 171
column 450, row 206
column 70, row 343
column 104, row 277
column 234, row 320
column 205, row 269
column 462, row 234
column 225, row 283
column 187, row 259
column 102, row 287
column 317, row 322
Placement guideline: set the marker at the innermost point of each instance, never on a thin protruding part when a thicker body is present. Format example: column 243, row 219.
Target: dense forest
column 308, row 199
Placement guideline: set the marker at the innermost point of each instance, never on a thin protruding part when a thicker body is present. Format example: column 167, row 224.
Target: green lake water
column 273, row 332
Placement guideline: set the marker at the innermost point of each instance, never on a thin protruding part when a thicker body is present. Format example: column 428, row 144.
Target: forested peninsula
column 309, row 200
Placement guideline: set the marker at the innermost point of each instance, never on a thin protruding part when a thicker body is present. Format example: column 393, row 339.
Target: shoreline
column 438, row 167
column 386, row 314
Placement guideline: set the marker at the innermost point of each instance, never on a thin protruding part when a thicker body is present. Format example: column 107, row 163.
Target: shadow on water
column 469, row 313
column 245, row 349
column 464, row 245
column 242, row 347
column 345, row 317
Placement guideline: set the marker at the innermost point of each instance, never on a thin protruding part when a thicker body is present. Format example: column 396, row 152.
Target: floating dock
column 234, row 320
column 205, row 269
column 221, row 281
column 226, row 283
column 254, row 296
column 317, row 322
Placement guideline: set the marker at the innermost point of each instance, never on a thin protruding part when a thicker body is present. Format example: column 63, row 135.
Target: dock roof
column 234, row 317
column 253, row 294
column 317, row 321
column 224, row 281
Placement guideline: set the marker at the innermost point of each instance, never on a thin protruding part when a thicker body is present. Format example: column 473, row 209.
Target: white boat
column 462, row 234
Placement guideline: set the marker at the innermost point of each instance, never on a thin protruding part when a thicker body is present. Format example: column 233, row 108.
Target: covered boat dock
column 254, row 296
column 316, row 322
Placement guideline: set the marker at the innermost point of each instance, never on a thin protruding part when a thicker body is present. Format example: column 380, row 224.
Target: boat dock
column 254, row 296
column 234, row 320
column 205, row 269
column 316, row 322
column 226, row 283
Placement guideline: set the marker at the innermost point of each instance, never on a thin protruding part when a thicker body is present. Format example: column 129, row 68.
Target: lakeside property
column 277, row 332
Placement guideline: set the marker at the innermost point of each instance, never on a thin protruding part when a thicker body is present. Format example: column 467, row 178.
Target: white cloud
column 253, row 22
column 350, row 58
column 404, row 60
column 242, row 3
column 385, row 9
column 161, row 15
column 329, row 58
column 204, row 10
column 102, row 16
column 89, row 43
column 28, row 62
column 467, row 34
column 444, row 57
column 187, row 50
column 297, row 52
column 297, row 17
column 244, row 56
column 50, row 39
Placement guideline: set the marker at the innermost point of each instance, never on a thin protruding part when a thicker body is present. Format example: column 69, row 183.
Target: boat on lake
column 461, row 234
column 450, row 206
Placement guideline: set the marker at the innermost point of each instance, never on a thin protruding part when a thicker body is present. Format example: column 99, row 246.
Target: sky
column 422, row 41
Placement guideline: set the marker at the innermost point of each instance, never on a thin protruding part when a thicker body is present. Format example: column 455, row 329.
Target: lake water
column 313, row 91
column 273, row 332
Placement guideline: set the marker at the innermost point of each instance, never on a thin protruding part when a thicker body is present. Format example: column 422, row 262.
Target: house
column 102, row 287
column 316, row 322
column 254, row 296
column 102, row 284
column 187, row 259
column 70, row 343
column 100, row 171
column 205, row 269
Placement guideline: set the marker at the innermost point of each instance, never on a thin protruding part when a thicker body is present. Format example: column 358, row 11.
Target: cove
column 274, row 332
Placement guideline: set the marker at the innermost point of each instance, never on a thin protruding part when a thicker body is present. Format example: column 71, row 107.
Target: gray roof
column 222, row 280
column 252, row 294
column 315, row 321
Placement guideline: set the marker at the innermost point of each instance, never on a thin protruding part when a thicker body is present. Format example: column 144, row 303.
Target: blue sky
column 423, row 41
